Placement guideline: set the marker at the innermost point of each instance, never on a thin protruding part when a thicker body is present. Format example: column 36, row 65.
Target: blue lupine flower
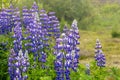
column 65, row 29
column 26, row 16
column 66, row 57
column 87, row 69
column 18, row 65
column 18, row 37
column 67, row 52
column 54, row 25
column 60, row 62
column 73, row 36
column 16, row 17
column 10, row 11
column 37, row 35
column 99, row 56
column 34, row 7
column 5, row 21
column 98, row 48
column 44, row 21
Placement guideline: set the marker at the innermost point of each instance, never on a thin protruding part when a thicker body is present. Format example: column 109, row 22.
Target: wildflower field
column 40, row 44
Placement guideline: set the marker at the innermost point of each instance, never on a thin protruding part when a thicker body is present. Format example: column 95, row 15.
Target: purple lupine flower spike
column 87, row 69
column 65, row 29
column 44, row 19
column 66, row 57
column 16, row 17
column 35, row 7
column 98, row 47
column 6, row 21
column 18, row 37
column 26, row 16
column 37, row 35
column 11, row 60
column 54, row 25
column 73, row 41
column 99, row 56
column 35, row 12
column 18, row 65
column 67, row 52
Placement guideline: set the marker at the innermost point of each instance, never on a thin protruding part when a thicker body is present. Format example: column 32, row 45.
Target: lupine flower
column 5, row 21
column 34, row 7
column 26, row 16
column 11, row 11
column 65, row 29
column 66, row 58
column 16, row 17
column 54, row 25
column 67, row 52
column 35, row 42
column 18, row 37
column 44, row 21
column 18, row 65
column 73, row 36
column 34, row 11
column 87, row 69
column 59, row 63
column 11, row 59
column 99, row 56
column 36, row 37
column 98, row 47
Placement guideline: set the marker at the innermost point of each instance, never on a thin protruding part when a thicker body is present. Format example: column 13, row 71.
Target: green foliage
column 4, row 52
column 104, row 73
column 63, row 23
column 96, row 73
column 4, row 3
column 3, row 64
column 36, row 72
column 106, row 17
column 115, row 34
column 70, row 9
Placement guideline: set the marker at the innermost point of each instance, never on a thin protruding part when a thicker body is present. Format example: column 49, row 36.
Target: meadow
column 96, row 21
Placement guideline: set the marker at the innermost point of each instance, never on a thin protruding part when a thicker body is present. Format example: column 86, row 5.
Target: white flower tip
column 73, row 51
column 74, row 24
column 75, row 21
column 20, row 53
column 97, row 40
column 34, row 3
column 63, row 34
column 26, row 54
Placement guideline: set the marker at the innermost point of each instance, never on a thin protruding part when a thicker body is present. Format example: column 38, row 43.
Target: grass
column 110, row 46
column 105, row 22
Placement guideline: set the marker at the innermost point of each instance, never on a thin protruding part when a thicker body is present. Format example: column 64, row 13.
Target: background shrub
column 115, row 34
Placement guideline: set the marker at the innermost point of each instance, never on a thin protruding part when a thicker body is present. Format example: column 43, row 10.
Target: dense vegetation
column 95, row 20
